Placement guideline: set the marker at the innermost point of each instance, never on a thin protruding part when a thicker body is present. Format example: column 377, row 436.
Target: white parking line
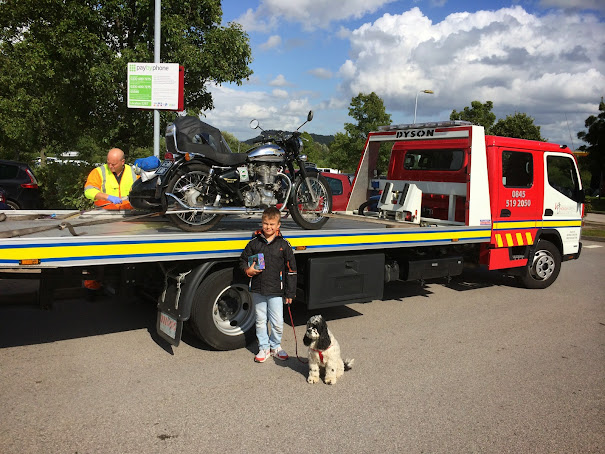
column 592, row 246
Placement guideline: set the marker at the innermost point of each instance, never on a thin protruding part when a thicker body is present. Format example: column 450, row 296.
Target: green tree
column 235, row 145
column 63, row 66
column 478, row 114
column 595, row 138
column 345, row 151
column 519, row 125
column 317, row 153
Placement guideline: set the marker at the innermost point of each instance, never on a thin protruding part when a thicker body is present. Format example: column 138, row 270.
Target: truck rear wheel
column 222, row 313
column 542, row 267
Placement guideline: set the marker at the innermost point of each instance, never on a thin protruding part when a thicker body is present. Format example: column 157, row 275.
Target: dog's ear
column 307, row 340
column 324, row 336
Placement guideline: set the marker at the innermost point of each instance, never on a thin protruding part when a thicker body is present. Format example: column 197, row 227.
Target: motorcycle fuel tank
column 267, row 153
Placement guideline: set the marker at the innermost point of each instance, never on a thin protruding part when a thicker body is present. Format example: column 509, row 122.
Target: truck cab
column 451, row 173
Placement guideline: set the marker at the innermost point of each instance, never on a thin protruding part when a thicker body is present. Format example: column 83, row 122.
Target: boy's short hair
column 271, row 213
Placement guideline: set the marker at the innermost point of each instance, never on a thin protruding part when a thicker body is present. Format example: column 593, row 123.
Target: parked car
column 20, row 185
column 3, row 205
column 340, row 184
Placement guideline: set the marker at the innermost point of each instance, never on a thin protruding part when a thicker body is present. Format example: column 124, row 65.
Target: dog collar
column 320, row 352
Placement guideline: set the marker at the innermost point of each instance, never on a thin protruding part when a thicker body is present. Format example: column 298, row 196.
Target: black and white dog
column 324, row 352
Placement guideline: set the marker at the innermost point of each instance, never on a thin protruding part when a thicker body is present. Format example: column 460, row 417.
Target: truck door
column 516, row 189
column 562, row 199
column 519, row 195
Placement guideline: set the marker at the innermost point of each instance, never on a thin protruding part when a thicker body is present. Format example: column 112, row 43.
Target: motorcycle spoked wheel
column 183, row 185
column 304, row 211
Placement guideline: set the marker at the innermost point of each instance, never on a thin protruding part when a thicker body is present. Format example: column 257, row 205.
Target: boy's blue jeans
column 271, row 307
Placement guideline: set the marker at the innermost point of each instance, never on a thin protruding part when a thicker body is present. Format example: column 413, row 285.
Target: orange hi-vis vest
column 101, row 179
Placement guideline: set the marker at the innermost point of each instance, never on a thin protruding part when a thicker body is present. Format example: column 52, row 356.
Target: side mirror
column 310, row 116
column 254, row 124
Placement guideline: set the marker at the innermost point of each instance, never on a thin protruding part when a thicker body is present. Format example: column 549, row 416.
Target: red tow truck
column 452, row 196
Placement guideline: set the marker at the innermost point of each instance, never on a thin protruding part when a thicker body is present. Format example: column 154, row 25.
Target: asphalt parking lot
column 479, row 365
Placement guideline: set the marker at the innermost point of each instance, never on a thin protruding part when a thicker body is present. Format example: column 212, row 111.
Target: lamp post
column 428, row 92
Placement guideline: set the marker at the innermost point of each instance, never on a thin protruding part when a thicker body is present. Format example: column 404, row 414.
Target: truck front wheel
column 222, row 313
column 542, row 267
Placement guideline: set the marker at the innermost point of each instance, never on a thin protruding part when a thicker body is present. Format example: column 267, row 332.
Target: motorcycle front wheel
column 307, row 213
column 188, row 185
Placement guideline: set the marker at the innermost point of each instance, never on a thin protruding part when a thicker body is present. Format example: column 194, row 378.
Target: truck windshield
column 434, row 160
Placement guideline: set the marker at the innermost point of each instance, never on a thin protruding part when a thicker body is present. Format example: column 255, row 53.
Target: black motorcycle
column 201, row 180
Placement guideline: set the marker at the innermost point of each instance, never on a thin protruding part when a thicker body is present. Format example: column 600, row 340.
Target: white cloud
column 545, row 66
column 321, row 73
column 279, row 81
column 253, row 21
column 280, row 93
column 234, row 108
column 272, row 42
column 310, row 14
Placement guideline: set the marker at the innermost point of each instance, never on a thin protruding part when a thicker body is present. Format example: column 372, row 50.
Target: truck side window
column 562, row 175
column 517, row 169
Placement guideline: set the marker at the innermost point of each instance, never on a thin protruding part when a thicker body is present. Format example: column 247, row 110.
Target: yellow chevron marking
column 519, row 239
column 499, row 240
column 509, row 240
column 529, row 238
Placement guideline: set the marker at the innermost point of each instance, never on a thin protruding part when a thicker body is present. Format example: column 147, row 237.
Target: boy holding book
column 269, row 262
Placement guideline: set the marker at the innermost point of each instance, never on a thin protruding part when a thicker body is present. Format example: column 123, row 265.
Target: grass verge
column 600, row 233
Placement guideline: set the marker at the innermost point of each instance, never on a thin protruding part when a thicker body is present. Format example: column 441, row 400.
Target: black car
column 20, row 185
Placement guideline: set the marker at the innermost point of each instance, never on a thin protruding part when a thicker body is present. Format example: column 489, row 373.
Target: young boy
column 269, row 286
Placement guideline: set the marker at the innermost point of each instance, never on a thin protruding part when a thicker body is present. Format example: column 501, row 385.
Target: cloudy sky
column 545, row 58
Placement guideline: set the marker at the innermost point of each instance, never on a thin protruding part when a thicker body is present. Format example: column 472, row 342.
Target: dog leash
column 295, row 340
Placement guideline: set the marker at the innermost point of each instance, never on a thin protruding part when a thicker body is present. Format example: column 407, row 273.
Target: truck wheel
column 543, row 267
column 222, row 313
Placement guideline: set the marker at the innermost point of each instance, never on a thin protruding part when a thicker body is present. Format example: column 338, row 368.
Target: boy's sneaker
column 262, row 356
column 279, row 353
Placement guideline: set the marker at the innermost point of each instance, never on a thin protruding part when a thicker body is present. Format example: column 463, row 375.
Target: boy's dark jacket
column 279, row 275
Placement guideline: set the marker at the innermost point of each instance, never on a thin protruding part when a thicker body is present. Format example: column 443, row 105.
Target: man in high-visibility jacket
column 109, row 185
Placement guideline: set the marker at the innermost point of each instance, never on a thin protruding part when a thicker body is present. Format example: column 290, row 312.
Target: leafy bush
column 62, row 186
column 594, row 204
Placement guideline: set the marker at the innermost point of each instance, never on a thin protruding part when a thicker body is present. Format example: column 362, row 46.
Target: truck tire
column 542, row 267
column 222, row 313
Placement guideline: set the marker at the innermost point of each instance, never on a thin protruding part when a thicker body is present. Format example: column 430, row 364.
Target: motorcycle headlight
column 300, row 144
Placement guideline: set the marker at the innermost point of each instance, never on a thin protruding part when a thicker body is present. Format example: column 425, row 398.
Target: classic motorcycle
column 201, row 180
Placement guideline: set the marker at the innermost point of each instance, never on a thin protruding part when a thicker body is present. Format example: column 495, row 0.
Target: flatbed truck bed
column 121, row 240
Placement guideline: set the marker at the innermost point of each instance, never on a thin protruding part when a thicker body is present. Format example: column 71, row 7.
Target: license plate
column 164, row 166
column 168, row 325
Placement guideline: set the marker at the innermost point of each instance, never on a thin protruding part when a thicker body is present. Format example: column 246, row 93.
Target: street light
column 428, row 92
